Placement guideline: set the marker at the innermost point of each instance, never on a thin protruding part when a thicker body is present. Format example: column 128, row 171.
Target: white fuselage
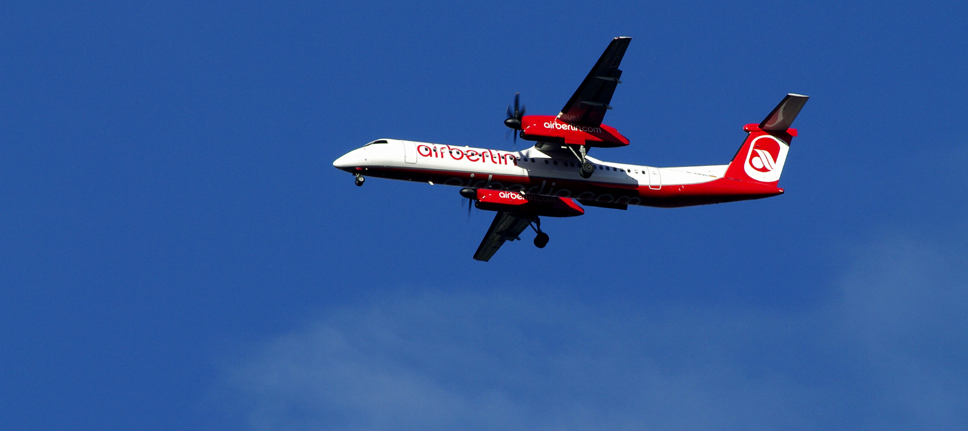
column 551, row 173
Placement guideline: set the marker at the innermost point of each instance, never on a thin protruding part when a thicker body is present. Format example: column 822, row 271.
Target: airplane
column 556, row 176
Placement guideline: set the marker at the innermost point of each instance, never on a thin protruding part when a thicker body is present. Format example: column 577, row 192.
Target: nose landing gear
column 359, row 179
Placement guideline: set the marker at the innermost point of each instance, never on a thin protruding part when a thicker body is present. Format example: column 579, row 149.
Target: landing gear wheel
column 359, row 180
column 541, row 240
column 586, row 169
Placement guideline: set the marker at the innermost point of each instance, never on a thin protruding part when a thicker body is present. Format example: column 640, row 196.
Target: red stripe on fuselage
column 668, row 196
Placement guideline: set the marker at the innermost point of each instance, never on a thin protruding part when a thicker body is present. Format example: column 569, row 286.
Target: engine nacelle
column 523, row 203
column 548, row 128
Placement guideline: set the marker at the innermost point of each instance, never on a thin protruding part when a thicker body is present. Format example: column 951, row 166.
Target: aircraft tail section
column 763, row 153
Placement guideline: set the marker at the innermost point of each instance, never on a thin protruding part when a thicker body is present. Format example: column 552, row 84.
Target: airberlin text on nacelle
column 482, row 156
column 521, row 196
column 565, row 126
column 511, row 195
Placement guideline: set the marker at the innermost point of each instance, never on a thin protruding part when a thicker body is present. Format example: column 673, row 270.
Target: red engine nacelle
column 521, row 203
column 548, row 128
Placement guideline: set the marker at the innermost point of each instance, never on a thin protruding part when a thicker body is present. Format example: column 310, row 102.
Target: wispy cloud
column 887, row 353
column 905, row 308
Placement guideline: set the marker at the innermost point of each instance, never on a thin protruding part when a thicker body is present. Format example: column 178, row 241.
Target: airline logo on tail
column 764, row 162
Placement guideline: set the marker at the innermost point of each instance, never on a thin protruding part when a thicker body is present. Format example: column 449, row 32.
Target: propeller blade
column 469, row 194
column 513, row 121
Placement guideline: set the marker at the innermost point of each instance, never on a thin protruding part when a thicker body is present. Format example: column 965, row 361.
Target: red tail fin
column 764, row 151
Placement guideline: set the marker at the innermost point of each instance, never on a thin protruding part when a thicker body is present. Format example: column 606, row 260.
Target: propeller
column 470, row 194
column 514, row 117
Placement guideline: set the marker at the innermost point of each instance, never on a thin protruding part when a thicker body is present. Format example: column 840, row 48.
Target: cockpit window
column 380, row 141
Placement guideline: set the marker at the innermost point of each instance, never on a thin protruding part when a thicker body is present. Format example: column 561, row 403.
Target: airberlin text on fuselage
column 533, row 192
column 480, row 156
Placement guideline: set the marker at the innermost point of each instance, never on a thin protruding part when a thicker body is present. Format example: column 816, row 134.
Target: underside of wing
column 590, row 102
column 506, row 226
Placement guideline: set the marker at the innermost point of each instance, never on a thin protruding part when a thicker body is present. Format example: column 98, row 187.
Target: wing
column 590, row 102
column 506, row 226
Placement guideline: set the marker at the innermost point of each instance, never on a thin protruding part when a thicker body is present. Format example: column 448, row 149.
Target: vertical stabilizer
column 763, row 153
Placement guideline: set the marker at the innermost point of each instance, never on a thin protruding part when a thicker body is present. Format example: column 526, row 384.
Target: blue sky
column 177, row 252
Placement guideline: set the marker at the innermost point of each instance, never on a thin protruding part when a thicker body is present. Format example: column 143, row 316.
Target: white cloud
column 888, row 353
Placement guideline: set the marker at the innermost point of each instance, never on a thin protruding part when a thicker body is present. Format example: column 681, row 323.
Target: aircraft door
column 409, row 152
column 655, row 180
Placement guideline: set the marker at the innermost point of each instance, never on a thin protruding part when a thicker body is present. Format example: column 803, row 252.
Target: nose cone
column 350, row 160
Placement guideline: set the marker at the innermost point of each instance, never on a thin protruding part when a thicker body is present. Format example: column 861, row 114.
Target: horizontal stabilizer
column 783, row 115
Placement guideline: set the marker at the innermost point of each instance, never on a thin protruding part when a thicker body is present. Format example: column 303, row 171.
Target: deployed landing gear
column 586, row 168
column 540, row 240
column 359, row 179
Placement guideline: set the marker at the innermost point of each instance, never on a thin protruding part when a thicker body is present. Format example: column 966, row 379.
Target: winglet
column 783, row 115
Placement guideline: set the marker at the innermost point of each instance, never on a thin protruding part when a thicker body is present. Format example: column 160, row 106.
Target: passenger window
column 556, row 163
column 546, row 162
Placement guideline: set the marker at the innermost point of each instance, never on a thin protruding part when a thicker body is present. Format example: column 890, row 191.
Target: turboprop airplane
column 556, row 176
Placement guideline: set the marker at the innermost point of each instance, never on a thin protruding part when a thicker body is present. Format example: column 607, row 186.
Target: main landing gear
column 359, row 179
column 541, row 239
column 587, row 168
